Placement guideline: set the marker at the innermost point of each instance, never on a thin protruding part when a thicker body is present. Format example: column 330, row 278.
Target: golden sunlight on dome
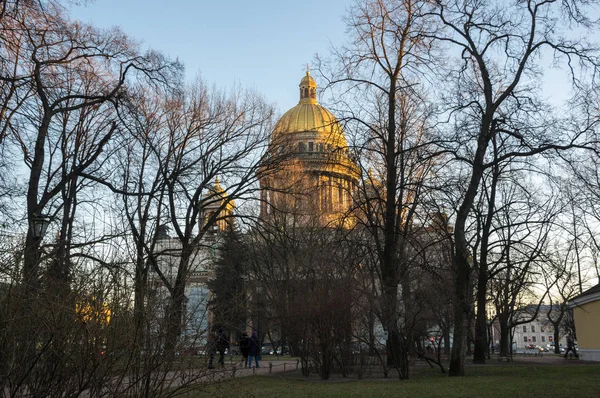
column 316, row 176
column 218, row 194
column 310, row 117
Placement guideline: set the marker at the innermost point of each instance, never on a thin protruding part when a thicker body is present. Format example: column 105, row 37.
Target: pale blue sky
column 262, row 44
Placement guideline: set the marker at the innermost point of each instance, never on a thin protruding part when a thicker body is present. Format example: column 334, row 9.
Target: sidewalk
column 266, row 367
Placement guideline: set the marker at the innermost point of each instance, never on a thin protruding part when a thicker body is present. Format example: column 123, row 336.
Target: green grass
column 485, row 381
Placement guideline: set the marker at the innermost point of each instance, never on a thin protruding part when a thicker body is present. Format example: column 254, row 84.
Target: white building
column 538, row 331
column 196, row 291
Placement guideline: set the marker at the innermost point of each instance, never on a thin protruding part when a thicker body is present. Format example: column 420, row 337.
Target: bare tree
column 518, row 251
column 499, row 46
column 305, row 271
column 211, row 135
column 58, row 112
column 377, row 71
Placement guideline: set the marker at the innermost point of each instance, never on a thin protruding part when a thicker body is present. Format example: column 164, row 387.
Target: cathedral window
column 301, row 147
column 310, row 147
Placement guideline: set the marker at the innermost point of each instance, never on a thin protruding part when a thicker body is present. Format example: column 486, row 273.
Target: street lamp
column 39, row 225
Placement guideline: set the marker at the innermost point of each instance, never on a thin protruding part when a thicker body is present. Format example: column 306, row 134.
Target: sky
column 260, row 44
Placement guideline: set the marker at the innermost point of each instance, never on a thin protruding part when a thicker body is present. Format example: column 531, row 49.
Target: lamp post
column 39, row 225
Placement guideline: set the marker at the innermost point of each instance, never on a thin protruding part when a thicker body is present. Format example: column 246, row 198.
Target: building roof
column 590, row 295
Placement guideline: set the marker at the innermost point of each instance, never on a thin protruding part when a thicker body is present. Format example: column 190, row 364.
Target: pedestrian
column 222, row 345
column 244, row 348
column 210, row 348
column 570, row 346
column 253, row 349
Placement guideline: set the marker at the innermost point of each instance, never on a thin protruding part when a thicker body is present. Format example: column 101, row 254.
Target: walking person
column 253, row 350
column 222, row 345
column 211, row 348
column 244, row 348
column 571, row 346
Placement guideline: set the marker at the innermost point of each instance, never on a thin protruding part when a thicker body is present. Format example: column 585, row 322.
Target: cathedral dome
column 310, row 118
column 315, row 176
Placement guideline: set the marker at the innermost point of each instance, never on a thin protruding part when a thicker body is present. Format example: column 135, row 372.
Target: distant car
column 550, row 348
column 531, row 346
column 541, row 348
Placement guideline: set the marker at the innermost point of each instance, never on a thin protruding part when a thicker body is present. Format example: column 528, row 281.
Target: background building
column 539, row 331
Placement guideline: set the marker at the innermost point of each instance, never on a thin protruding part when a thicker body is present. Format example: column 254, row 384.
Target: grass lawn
column 483, row 381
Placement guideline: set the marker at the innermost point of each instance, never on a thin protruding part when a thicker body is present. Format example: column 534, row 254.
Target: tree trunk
column 462, row 264
column 175, row 316
column 446, row 334
column 461, row 321
column 504, row 335
column 481, row 337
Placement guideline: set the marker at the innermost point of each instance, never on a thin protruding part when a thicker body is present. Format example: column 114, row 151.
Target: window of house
column 524, row 329
column 532, row 329
column 543, row 339
column 310, row 146
column 533, row 338
column 525, row 339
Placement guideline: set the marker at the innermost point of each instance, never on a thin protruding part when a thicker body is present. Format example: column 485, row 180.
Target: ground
column 545, row 376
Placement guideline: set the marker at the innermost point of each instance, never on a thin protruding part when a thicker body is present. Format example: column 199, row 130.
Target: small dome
column 308, row 81
column 217, row 191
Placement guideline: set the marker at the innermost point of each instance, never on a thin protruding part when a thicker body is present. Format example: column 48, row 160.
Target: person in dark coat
column 253, row 349
column 222, row 345
column 244, row 348
column 571, row 346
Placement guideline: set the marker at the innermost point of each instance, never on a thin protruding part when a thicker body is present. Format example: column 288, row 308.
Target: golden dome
column 217, row 191
column 310, row 117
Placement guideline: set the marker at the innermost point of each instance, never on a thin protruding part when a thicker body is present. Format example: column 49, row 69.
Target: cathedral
column 310, row 180
column 314, row 177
